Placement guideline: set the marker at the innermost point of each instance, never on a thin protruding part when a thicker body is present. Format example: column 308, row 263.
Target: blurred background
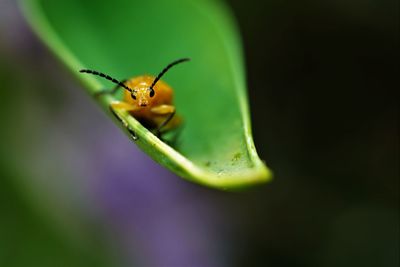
column 322, row 79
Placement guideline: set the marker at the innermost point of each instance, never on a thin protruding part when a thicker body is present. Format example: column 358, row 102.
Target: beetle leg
column 163, row 110
column 124, row 107
column 164, row 123
column 107, row 91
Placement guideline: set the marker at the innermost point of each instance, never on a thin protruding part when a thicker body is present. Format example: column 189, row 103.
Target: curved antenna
column 107, row 77
column 165, row 70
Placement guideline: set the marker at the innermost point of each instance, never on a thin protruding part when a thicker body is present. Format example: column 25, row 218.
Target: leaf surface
column 130, row 38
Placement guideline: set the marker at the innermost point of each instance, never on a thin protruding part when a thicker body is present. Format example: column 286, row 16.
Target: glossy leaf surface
column 130, row 38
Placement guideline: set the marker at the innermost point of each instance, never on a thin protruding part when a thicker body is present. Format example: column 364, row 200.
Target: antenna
column 164, row 71
column 107, row 77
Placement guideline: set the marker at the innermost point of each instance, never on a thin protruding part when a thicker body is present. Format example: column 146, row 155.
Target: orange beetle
column 146, row 98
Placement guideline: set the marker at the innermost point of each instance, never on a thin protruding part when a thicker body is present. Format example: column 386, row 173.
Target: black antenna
column 107, row 77
column 165, row 70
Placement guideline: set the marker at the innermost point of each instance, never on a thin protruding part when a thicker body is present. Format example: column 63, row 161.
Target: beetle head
column 142, row 94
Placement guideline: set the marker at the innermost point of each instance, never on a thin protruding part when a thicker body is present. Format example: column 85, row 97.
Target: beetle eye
column 133, row 96
column 151, row 93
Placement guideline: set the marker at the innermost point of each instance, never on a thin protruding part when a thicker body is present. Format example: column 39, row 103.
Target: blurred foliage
column 31, row 239
column 35, row 228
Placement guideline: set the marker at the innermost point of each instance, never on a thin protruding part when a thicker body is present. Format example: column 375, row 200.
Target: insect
column 146, row 98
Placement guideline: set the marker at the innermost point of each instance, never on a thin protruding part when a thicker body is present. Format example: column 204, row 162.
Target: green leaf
column 125, row 38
